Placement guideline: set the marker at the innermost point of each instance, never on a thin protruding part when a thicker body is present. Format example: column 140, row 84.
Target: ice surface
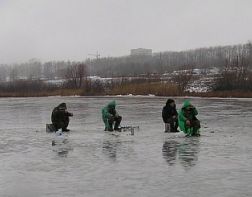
column 150, row 163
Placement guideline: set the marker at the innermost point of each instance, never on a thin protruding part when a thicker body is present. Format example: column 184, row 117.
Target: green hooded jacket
column 106, row 113
column 182, row 117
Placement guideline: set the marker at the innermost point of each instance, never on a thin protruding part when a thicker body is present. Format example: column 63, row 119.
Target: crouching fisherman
column 60, row 117
column 170, row 116
column 188, row 121
column 110, row 117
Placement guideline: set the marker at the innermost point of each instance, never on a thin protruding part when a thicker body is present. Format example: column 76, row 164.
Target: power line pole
column 97, row 55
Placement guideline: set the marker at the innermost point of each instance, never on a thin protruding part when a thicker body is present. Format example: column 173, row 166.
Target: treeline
column 168, row 61
column 163, row 62
column 134, row 74
column 26, row 88
column 236, row 75
column 73, row 81
column 34, row 70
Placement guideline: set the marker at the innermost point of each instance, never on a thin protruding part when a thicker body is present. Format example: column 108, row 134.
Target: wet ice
column 150, row 163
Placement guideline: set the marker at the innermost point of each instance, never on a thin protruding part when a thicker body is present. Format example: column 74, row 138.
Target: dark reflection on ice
column 61, row 144
column 169, row 150
column 110, row 147
column 188, row 152
column 150, row 163
column 185, row 151
column 63, row 153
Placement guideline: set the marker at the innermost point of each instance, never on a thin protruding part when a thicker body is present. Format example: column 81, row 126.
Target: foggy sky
column 71, row 29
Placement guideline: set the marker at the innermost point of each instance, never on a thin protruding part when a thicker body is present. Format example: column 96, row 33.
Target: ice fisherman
column 60, row 117
column 170, row 116
column 188, row 122
column 110, row 117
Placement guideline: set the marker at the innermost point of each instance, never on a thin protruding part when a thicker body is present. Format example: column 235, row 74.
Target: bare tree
column 13, row 74
column 236, row 74
column 76, row 75
column 3, row 73
column 183, row 77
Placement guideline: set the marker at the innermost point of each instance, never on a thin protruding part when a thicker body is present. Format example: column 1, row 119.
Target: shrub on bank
column 157, row 88
column 225, row 94
column 39, row 88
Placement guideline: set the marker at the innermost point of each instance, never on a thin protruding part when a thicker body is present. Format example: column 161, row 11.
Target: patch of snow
column 55, row 81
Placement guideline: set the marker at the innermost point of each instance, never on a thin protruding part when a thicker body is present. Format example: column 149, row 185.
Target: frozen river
column 148, row 164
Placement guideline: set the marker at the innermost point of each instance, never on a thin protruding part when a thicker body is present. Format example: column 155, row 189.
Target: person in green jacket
column 110, row 117
column 188, row 122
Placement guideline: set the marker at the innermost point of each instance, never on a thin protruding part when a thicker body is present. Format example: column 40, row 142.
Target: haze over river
column 149, row 164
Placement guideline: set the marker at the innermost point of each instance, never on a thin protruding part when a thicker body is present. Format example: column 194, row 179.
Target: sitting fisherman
column 188, row 122
column 170, row 116
column 110, row 117
column 60, row 117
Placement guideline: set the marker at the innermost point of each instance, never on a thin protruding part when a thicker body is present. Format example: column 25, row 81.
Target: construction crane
column 97, row 55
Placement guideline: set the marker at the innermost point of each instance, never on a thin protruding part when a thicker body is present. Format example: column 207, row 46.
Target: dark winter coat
column 168, row 112
column 60, row 114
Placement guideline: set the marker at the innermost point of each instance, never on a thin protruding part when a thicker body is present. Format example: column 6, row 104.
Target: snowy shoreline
column 133, row 96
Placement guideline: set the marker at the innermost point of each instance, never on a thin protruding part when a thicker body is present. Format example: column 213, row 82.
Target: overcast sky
column 71, row 29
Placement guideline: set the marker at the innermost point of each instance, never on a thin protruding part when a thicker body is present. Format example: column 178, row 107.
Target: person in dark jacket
column 170, row 116
column 60, row 117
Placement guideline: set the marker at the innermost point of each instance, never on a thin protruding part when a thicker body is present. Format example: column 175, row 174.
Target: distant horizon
column 70, row 30
column 101, row 57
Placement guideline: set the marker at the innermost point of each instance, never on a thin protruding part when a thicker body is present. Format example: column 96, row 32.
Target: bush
column 156, row 88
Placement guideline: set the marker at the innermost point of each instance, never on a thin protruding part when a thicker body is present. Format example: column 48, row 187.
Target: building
column 141, row 52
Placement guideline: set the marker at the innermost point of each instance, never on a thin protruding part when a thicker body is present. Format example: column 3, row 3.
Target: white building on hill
column 141, row 52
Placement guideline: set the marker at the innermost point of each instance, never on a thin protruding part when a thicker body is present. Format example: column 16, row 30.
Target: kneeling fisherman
column 110, row 117
column 170, row 116
column 188, row 122
column 60, row 117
